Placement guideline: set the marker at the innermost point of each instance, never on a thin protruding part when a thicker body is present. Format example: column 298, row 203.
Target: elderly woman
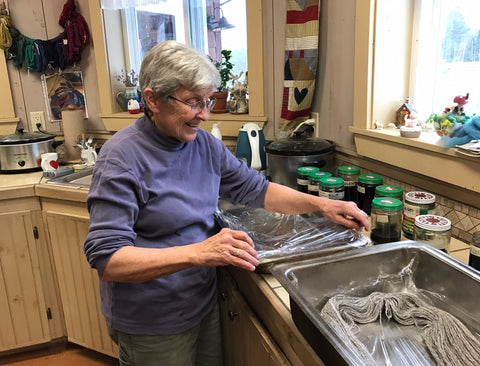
column 153, row 195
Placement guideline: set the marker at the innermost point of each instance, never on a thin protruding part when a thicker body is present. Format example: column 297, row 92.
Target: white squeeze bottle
column 216, row 131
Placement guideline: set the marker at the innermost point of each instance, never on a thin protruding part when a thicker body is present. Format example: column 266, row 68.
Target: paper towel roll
column 73, row 127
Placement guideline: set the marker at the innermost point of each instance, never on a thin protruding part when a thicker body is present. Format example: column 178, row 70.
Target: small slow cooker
column 285, row 156
column 21, row 152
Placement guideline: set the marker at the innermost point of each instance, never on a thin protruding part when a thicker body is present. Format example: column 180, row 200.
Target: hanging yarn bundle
column 38, row 55
column 76, row 32
column 447, row 339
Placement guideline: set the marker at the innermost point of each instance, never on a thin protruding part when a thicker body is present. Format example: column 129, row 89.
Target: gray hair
column 171, row 65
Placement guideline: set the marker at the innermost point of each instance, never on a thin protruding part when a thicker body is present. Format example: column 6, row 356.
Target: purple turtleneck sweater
column 151, row 191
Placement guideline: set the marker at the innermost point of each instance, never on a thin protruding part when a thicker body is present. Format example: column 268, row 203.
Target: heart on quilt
column 301, row 3
column 300, row 95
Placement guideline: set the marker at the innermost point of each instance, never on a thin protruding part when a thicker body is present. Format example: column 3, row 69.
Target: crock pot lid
column 300, row 147
column 21, row 137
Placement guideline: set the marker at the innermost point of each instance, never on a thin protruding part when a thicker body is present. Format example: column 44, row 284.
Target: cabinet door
column 246, row 342
column 23, row 318
column 79, row 288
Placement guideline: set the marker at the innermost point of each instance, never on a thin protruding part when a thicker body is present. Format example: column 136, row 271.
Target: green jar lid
column 348, row 169
column 319, row 175
column 387, row 203
column 306, row 170
column 370, row 179
column 388, row 191
column 332, row 182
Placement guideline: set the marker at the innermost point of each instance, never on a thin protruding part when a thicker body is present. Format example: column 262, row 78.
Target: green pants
column 199, row 346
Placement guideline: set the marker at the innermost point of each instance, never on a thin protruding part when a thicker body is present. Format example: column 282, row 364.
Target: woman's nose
column 204, row 114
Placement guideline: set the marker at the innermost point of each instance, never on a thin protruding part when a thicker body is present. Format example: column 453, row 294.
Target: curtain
column 301, row 59
column 123, row 4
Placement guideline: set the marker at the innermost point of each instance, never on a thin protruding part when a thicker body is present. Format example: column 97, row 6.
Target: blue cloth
column 151, row 191
column 463, row 134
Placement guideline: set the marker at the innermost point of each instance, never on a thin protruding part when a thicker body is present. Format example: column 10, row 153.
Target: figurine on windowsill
column 451, row 118
column 403, row 113
column 239, row 102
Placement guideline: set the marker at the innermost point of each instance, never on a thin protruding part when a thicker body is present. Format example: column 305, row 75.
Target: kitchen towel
column 301, row 59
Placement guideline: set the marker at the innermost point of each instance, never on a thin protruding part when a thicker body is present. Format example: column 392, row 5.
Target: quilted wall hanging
column 301, row 59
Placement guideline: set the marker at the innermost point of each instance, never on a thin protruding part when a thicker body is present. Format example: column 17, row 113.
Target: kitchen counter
column 263, row 293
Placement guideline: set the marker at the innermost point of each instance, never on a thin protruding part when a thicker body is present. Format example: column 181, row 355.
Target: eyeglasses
column 198, row 106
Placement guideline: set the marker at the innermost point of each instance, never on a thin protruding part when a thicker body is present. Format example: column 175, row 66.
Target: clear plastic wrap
column 280, row 237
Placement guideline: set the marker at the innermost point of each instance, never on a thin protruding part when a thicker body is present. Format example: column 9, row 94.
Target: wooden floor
column 70, row 355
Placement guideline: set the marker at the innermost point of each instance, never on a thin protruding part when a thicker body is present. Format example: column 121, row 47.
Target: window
column 111, row 55
column 427, row 50
column 447, row 54
column 384, row 75
column 208, row 25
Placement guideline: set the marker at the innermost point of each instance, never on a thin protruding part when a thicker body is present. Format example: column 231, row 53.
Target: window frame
column 372, row 102
column 114, row 119
column 8, row 120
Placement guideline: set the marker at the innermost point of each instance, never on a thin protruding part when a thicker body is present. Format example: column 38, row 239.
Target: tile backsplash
column 465, row 219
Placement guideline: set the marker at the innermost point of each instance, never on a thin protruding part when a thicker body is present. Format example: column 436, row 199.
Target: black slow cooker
column 285, row 156
column 21, row 152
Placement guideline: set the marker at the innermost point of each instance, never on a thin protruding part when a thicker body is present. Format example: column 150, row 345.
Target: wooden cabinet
column 23, row 310
column 79, row 284
column 246, row 342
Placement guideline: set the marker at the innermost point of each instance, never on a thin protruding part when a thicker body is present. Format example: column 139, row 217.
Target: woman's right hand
column 228, row 247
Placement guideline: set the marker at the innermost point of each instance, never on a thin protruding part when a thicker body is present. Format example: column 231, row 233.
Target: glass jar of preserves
column 332, row 187
column 434, row 230
column 314, row 181
column 474, row 258
column 416, row 203
column 349, row 174
column 303, row 177
column 386, row 219
column 389, row 191
column 366, row 190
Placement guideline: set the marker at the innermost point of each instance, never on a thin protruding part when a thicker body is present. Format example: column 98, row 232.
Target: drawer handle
column 232, row 315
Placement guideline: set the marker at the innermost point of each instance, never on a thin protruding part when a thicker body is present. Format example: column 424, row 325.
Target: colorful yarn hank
column 38, row 55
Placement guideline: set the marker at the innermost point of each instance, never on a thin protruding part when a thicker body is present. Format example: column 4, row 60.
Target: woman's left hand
column 228, row 247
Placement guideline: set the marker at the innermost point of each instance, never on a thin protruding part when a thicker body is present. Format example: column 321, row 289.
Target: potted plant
column 224, row 67
column 130, row 80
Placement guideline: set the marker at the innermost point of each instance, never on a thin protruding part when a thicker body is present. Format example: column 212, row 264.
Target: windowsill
column 423, row 155
column 230, row 123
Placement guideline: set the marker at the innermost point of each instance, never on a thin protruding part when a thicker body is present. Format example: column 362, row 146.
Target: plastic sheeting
column 279, row 237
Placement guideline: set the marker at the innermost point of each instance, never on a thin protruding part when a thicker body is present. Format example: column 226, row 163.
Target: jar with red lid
column 434, row 230
column 416, row 203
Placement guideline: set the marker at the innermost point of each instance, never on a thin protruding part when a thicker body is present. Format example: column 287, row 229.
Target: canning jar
column 303, row 176
column 349, row 173
column 386, row 219
column 434, row 230
column 314, row 182
column 366, row 190
column 332, row 187
column 416, row 203
column 474, row 257
column 389, row 191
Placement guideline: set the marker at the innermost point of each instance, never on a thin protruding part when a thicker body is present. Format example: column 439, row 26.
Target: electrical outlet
column 37, row 118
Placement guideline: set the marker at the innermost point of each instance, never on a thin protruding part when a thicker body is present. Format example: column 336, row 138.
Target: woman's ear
column 151, row 99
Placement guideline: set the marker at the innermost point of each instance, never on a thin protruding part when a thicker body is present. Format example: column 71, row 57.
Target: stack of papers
column 471, row 149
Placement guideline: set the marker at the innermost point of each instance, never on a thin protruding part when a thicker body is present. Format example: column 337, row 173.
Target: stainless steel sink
column 449, row 285
column 80, row 179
